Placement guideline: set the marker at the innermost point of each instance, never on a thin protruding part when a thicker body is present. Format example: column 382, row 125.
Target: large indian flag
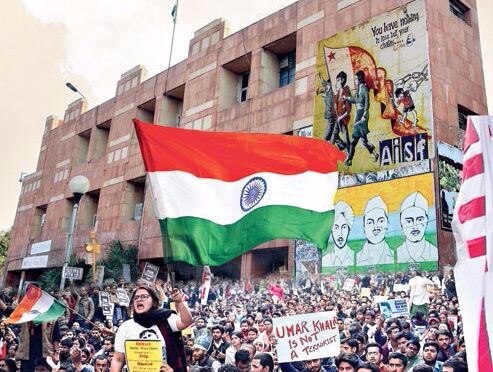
column 218, row 195
column 36, row 306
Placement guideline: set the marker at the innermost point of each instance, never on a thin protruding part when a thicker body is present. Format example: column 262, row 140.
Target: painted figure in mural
column 329, row 113
column 342, row 255
column 403, row 97
column 414, row 219
column 376, row 223
column 360, row 125
column 342, row 111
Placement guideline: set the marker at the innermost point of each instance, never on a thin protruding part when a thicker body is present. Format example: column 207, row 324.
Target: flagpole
column 174, row 13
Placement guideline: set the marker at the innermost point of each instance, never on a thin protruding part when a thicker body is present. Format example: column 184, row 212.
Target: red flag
column 474, row 243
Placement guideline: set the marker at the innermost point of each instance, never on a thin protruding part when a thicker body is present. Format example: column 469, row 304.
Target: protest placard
column 123, row 298
column 348, row 284
column 99, row 275
column 108, row 310
column 306, row 336
column 143, row 355
column 104, row 297
column 394, row 308
column 365, row 292
column 150, row 272
column 126, row 272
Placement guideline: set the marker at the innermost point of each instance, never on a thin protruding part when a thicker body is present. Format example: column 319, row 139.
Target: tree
column 4, row 245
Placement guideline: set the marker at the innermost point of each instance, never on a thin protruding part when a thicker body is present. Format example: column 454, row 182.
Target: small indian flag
column 218, row 195
column 36, row 306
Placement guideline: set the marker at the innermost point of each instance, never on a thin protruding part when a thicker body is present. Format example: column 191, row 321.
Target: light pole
column 74, row 89
column 79, row 185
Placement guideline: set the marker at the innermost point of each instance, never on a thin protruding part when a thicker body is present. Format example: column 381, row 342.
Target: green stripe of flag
column 54, row 312
column 198, row 241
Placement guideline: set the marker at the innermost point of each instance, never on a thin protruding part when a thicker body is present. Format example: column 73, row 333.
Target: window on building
column 243, row 92
column 145, row 111
column 89, row 209
column 287, row 67
column 172, row 107
column 81, row 147
column 39, row 222
column 101, row 136
column 133, row 200
column 460, row 10
column 464, row 112
column 278, row 64
column 234, row 80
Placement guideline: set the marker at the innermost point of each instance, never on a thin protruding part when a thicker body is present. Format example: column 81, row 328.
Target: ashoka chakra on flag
column 252, row 193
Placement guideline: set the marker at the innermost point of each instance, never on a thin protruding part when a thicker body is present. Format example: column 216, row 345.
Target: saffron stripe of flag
column 232, row 156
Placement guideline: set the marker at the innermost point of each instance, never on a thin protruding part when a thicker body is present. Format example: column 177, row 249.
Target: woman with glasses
column 151, row 322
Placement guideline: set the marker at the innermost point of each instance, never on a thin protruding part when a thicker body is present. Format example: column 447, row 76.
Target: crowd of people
column 232, row 330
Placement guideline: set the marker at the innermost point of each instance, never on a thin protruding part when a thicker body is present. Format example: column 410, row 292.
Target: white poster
column 394, row 308
column 306, row 336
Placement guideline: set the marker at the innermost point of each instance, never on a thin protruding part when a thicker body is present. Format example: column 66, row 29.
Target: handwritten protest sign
column 306, row 336
column 394, row 308
column 143, row 355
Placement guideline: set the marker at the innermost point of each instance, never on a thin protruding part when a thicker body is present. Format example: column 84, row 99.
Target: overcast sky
column 91, row 43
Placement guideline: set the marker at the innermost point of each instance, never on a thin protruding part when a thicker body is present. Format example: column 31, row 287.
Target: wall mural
column 373, row 91
column 384, row 226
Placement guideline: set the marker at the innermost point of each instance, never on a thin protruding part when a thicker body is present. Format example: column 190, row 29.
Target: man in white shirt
column 418, row 294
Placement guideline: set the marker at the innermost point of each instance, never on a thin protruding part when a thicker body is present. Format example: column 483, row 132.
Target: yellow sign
column 365, row 292
column 143, row 355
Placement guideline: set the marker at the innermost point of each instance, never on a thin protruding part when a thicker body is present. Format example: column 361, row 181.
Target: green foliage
column 449, row 176
column 50, row 279
column 4, row 245
column 117, row 255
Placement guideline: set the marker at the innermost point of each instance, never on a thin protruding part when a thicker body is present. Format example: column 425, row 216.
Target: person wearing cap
column 342, row 254
column 414, row 219
column 202, row 343
column 376, row 223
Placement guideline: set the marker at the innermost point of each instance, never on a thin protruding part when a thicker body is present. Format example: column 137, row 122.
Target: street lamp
column 74, row 89
column 78, row 185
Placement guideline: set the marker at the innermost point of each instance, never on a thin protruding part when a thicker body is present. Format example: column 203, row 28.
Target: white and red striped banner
column 474, row 242
column 205, row 287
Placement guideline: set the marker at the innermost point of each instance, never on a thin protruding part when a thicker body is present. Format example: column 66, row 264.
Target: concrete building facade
column 259, row 79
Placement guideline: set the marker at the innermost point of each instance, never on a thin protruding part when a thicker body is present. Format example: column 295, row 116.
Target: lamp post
column 74, row 89
column 78, row 185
